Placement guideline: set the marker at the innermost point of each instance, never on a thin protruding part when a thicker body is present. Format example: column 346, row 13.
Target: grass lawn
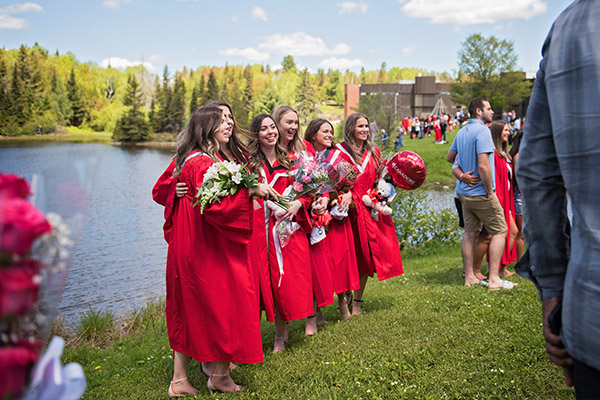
column 423, row 335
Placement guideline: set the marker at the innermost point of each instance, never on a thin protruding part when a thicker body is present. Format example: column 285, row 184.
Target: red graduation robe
column 376, row 242
column 212, row 304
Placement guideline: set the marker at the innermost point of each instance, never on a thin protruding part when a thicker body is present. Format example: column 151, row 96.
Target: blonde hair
column 350, row 128
column 199, row 134
column 296, row 144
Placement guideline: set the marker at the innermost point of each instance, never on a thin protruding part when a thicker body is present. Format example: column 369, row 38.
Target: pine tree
column 194, row 100
column 74, row 94
column 247, row 98
column 212, row 89
column 178, row 104
column 4, row 100
column 165, row 103
column 202, row 91
column 305, row 96
column 133, row 126
column 60, row 103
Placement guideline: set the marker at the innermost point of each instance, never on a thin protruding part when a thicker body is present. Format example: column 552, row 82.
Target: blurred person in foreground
column 560, row 154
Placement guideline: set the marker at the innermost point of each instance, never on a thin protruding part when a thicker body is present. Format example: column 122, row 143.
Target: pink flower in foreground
column 13, row 186
column 19, row 286
column 15, row 364
column 20, row 224
column 297, row 186
column 306, row 179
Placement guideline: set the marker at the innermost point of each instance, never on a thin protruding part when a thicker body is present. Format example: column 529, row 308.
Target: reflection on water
column 119, row 260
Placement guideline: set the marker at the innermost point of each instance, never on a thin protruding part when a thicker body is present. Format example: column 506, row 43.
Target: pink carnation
column 13, row 186
column 306, row 179
column 19, row 286
column 15, row 364
column 297, row 186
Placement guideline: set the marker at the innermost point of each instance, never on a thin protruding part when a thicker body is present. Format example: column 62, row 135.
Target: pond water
column 119, row 258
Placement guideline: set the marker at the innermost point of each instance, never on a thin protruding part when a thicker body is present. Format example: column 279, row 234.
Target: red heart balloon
column 407, row 170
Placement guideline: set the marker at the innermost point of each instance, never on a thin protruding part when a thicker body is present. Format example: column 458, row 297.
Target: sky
column 325, row 34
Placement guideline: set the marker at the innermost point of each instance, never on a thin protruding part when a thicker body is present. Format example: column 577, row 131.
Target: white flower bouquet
column 223, row 179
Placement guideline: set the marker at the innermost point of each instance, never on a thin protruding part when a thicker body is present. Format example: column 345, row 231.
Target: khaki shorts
column 478, row 211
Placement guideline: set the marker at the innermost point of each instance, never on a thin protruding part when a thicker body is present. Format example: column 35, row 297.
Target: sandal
column 212, row 388
column 506, row 285
column 172, row 393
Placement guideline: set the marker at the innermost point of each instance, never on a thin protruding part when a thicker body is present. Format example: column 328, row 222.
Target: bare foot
column 343, row 305
column 320, row 317
column 286, row 332
column 505, row 273
column 356, row 306
column 474, row 282
column 480, row 276
column 311, row 326
column 278, row 344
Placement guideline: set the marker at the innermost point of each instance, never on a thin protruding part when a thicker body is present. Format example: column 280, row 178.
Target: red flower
column 19, row 286
column 20, row 224
column 13, row 186
column 15, row 364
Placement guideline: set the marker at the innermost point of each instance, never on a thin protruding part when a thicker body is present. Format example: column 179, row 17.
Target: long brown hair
column 199, row 134
column 255, row 154
column 296, row 144
column 501, row 147
column 235, row 144
column 349, row 128
column 312, row 129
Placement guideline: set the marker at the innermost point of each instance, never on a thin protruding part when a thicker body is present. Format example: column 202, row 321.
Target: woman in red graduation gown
column 212, row 306
column 291, row 279
column 503, row 174
column 376, row 243
column 288, row 123
column 340, row 239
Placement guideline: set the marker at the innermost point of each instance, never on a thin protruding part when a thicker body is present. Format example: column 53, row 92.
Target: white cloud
column 7, row 21
column 300, row 44
column 122, row 63
column 352, row 7
column 296, row 44
column 114, row 4
column 341, row 63
column 469, row 12
column 408, row 50
column 259, row 13
column 248, row 53
column 234, row 19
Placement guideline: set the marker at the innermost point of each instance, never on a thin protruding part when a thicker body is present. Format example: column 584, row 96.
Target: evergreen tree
column 77, row 106
column 243, row 117
column 288, row 64
column 60, row 103
column 164, row 120
column 194, row 100
column 268, row 101
column 305, row 97
column 178, row 105
column 132, row 127
column 4, row 100
column 202, row 91
column 17, row 98
column 153, row 115
column 212, row 88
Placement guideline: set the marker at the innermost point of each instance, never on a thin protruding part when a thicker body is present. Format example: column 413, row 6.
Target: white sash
column 361, row 168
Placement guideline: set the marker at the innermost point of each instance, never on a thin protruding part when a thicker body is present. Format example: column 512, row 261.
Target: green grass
column 68, row 134
column 423, row 336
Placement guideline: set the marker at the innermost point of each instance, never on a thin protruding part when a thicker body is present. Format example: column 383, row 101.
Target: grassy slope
column 422, row 336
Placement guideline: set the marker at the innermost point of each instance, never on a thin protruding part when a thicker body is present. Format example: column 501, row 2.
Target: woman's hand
column 319, row 206
column 181, row 189
column 263, row 191
column 293, row 210
column 469, row 179
column 345, row 201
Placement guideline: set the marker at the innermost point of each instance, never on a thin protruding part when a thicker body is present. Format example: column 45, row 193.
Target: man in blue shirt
column 560, row 153
column 475, row 151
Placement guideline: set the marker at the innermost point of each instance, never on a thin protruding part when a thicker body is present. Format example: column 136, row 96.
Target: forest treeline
column 41, row 92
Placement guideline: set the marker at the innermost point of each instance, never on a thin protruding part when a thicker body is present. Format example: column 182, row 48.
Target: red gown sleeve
column 162, row 187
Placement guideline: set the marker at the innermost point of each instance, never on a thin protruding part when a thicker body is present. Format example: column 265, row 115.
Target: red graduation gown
column 163, row 193
column 376, row 242
column 292, row 291
column 212, row 305
column 340, row 244
column 504, row 191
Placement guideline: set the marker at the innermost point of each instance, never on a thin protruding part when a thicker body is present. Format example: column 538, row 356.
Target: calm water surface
column 119, row 259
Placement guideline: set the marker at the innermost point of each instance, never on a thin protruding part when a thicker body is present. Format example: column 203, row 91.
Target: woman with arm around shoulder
column 376, row 242
column 339, row 239
column 291, row 278
column 212, row 244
